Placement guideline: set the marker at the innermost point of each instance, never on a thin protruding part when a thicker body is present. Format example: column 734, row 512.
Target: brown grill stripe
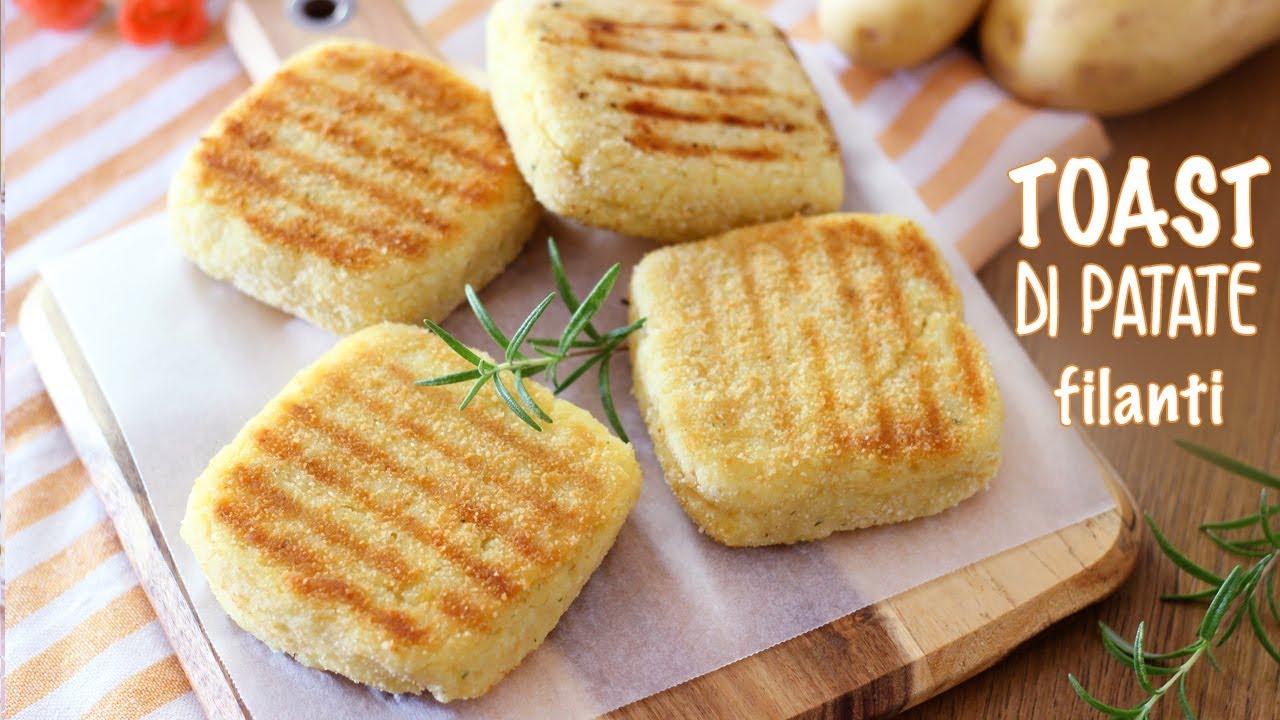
column 610, row 46
column 491, row 578
column 287, row 452
column 303, row 233
column 839, row 259
column 923, row 259
column 403, row 122
column 887, row 439
column 390, row 156
column 311, row 578
column 615, row 27
column 646, row 139
column 685, row 82
column 519, row 441
column 423, row 434
column 967, row 355
column 267, row 498
column 360, row 187
column 783, row 419
column 654, row 110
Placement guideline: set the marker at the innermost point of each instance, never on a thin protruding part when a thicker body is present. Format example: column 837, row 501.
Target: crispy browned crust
column 386, row 116
column 812, row 375
column 653, row 117
column 446, row 544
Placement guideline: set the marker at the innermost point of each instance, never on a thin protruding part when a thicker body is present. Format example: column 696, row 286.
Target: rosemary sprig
column 544, row 355
column 1230, row 599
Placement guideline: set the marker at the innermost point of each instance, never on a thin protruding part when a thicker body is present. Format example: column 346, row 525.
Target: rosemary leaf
column 606, row 399
column 1229, row 590
column 583, row 368
column 513, row 349
column 1248, row 548
column 1231, row 465
column 454, row 343
column 451, row 378
column 1187, row 712
column 1255, row 619
column 625, row 330
column 1202, row 596
column 1182, row 561
column 563, row 287
column 1108, row 634
column 526, row 398
column 1236, row 524
column 589, row 307
column 1270, row 583
column 486, row 321
column 471, row 394
column 1139, row 664
column 1264, row 520
column 520, row 412
column 1100, row 706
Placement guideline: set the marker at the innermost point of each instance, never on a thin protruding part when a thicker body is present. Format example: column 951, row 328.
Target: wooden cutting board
column 870, row 664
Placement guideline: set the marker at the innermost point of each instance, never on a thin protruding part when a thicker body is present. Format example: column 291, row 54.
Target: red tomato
column 61, row 14
column 146, row 22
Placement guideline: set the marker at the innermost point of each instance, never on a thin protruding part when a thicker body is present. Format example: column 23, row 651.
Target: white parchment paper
column 184, row 361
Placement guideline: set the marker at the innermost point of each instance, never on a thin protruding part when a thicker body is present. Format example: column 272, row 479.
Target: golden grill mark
column 647, row 140
column 923, row 259
column 618, row 27
column 457, row 457
column 491, row 578
column 606, row 44
column 554, row 461
column 309, row 578
column 392, row 156
column 782, row 418
column 425, row 84
column 358, row 186
column 661, row 112
column 970, row 366
column 494, row 157
column 685, row 82
column 835, row 246
column 266, row 498
column 302, row 233
column 288, row 452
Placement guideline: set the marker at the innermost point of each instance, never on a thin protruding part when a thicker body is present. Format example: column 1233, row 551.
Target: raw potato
column 895, row 34
column 1120, row 56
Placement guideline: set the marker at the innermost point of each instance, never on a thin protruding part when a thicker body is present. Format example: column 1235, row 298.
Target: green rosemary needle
column 523, row 356
column 1244, row 592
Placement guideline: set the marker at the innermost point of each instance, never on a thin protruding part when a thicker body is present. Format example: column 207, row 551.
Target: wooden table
column 1233, row 119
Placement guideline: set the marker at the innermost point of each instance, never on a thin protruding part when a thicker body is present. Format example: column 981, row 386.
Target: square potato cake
column 672, row 120
column 812, row 375
column 366, row 526
column 355, row 185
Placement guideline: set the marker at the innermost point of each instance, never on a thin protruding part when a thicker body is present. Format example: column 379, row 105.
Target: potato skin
column 1120, row 56
column 892, row 34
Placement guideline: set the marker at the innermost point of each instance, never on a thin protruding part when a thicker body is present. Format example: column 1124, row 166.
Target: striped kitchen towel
column 94, row 128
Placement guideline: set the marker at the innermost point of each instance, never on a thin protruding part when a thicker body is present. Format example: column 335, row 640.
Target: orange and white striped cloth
column 94, row 128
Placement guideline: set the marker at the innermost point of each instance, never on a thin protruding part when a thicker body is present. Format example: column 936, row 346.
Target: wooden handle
column 265, row 32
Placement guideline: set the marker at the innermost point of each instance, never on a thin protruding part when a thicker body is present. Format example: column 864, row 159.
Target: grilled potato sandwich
column 355, row 185
column 812, row 375
column 365, row 526
column 666, row 119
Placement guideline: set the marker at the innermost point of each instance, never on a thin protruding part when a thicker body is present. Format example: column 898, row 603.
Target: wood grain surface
column 1231, row 120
